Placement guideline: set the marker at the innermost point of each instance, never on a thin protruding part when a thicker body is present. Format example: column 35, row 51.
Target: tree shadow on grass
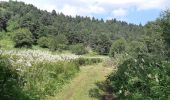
column 102, row 91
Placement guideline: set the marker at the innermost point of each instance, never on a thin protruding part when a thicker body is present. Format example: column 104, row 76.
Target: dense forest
column 56, row 31
column 141, row 53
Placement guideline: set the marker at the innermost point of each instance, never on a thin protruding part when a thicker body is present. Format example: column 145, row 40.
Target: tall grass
column 47, row 78
column 40, row 79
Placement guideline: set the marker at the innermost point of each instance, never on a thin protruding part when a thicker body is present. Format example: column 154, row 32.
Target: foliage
column 4, row 17
column 165, row 24
column 100, row 43
column 23, row 38
column 48, row 78
column 95, row 33
column 88, row 61
column 13, row 23
column 58, row 43
column 43, row 42
column 78, row 49
column 143, row 74
column 135, row 47
column 38, row 79
column 141, row 77
column 10, row 81
column 118, row 47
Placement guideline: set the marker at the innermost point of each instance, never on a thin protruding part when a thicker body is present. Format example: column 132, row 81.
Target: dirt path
column 78, row 88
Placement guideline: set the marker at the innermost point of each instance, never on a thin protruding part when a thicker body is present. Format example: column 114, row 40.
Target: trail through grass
column 78, row 88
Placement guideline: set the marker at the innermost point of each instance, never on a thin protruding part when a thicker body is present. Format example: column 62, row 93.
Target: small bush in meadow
column 88, row 61
column 78, row 49
column 43, row 42
column 118, row 47
column 58, row 43
column 23, row 38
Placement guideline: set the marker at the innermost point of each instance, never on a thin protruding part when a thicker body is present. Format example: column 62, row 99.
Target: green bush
column 141, row 78
column 88, row 61
column 118, row 47
column 78, row 49
column 144, row 77
column 100, row 43
column 11, row 83
column 23, row 38
column 58, row 43
column 43, row 42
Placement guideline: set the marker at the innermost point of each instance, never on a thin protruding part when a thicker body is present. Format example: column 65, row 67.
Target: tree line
column 29, row 26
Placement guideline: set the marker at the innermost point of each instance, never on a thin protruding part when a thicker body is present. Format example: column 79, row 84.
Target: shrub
column 58, row 43
column 135, row 47
column 43, row 42
column 23, row 38
column 118, row 47
column 78, row 49
column 100, row 43
column 11, row 82
column 144, row 77
column 88, row 61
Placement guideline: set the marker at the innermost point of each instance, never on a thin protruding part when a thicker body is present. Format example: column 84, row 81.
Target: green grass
column 78, row 88
column 38, row 79
column 6, row 44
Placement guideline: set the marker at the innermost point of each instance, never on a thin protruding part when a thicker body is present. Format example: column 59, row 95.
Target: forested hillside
column 56, row 31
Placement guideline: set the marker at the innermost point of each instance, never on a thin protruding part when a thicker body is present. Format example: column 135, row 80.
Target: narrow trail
column 78, row 88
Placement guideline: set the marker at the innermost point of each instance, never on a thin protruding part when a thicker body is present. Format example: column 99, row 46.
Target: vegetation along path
column 78, row 88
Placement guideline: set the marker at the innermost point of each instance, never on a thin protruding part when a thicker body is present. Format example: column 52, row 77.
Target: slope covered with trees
column 17, row 19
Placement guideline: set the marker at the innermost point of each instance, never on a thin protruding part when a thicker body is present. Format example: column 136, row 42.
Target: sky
column 131, row 11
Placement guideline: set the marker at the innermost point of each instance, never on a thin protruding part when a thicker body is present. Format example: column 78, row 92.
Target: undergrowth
column 41, row 79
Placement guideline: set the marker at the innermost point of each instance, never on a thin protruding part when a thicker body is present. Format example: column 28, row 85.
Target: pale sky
column 133, row 11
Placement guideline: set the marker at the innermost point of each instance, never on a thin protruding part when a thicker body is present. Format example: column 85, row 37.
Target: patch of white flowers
column 26, row 57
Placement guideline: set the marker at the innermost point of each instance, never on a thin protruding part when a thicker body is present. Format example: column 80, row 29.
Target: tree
column 58, row 43
column 100, row 43
column 23, row 38
column 54, row 13
column 78, row 49
column 3, row 23
column 165, row 24
column 43, row 42
column 46, row 19
column 118, row 47
column 4, row 17
column 89, row 31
